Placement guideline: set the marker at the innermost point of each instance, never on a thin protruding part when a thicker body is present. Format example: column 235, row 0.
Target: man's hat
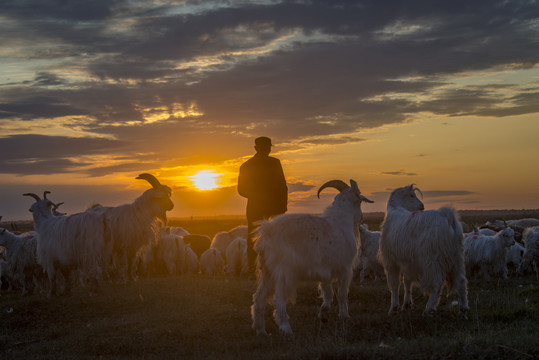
column 263, row 140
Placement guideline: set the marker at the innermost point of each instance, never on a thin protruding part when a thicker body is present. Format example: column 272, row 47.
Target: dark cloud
column 39, row 154
column 332, row 141
column 299, row 187
column 114, row 62
column 443, row 193
column 398, row 173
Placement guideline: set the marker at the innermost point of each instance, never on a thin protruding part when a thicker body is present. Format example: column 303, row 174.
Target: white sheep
column 296, row 247
column 236, row 257
column 220, row 241
column 367, row 261
column 191, row 260
column 21, row 268
column 130, row 227
column 513, row 256
column 171, row 251
column 238, row 231
column 177, row 230
column 68, row 243
column 524, row 223
column 425, row 247
column 166, row 256
column 212, row 262
column 531, row 252
column 486, row 254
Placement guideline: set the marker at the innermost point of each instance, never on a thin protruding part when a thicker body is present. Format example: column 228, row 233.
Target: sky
column 441, row 94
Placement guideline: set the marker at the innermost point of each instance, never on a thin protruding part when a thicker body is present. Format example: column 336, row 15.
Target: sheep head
column 158, row 196
column 406, row 197
column 508, row 236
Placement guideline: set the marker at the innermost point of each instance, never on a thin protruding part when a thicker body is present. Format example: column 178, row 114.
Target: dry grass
column 197, row 317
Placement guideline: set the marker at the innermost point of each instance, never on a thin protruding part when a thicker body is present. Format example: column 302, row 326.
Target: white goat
column 296, row 247
column 236, row 257
column 524, row 223
column 220, row 241
column 191, row 260
column 130, row 227
column 367, row 261
column 531, row 252
column 513, row 256
column 68, row 243
column 487, row 253
column 238, row 231
column 212, row 262
column 21, row 267
column 425, row 247
column 166, row 256
column 177, row 230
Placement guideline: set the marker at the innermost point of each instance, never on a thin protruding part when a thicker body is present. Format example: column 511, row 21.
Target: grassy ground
column 197, row 317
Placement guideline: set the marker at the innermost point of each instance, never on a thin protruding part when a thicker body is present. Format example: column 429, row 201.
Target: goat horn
column 32, row 195
column 337, row 184
column 56, row 206
column 419, row 191
column 151, row 179
column 45, row 194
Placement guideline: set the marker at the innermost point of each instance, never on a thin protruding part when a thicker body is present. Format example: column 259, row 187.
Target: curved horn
column 32, row 195
column 56, row 206
column 45, row 194
column 151, row 179
column 337, row 184
column 417, row 189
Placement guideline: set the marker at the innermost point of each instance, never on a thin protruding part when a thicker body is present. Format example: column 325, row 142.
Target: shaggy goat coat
column 296, row 247
column 212, row 262
column 426, row 247
column 236, row 257
column 68, row 243
column 367, row 261
column 20, row 267
column 131, row 227
column 531, row 250
column 487, row 254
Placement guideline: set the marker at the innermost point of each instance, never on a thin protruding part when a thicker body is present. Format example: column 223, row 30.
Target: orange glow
column 205, row 180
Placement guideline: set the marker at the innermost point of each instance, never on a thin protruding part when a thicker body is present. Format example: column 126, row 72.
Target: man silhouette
column 261, row 180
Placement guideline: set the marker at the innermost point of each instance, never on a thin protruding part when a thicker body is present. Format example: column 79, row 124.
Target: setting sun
column 205, row 180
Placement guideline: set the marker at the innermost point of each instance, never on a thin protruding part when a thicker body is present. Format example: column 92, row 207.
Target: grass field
column 197, row 317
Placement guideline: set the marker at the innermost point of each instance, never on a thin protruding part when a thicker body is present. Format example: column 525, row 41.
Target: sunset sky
column 442, row 94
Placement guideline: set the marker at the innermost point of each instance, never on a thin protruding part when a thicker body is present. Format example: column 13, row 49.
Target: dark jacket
column 261, row 181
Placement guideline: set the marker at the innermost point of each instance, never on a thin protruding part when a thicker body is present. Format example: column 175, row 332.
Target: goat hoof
column 288, row 335
column 323, row 315
column 262, row 333
column 393, row 311
column 407, row 306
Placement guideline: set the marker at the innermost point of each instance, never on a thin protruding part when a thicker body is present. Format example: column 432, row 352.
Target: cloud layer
column 302, row 71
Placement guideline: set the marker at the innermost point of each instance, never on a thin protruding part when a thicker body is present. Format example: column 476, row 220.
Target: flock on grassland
column 428, row 249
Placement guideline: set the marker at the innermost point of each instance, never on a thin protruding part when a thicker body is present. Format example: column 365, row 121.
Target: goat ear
column 363, row 198
column 354, row 186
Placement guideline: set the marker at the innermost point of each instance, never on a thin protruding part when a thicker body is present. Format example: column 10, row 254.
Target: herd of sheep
column 428, row 249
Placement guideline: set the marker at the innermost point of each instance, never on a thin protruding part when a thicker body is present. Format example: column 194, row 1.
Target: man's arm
column 243, row 183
